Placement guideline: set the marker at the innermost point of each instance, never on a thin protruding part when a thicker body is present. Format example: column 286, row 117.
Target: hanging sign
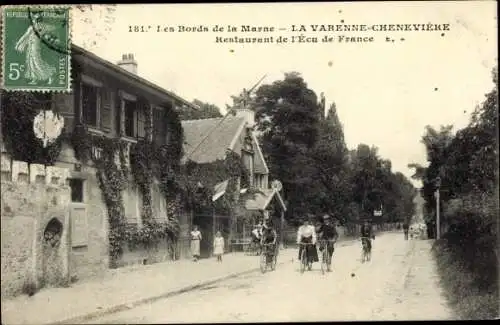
column 47, row 126
column 276, row 185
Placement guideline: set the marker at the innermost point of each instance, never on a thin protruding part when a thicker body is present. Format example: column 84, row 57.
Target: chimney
column 128, row 63
column 248, row 115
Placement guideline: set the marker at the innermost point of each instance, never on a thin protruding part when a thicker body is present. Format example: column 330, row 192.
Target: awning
column 219, row 190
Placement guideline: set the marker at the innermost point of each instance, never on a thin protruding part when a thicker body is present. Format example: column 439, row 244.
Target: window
column 259, row 180
column 90, row 105
column 76, row 186
column 159, row 126
column 248, row 163
column 130, row 118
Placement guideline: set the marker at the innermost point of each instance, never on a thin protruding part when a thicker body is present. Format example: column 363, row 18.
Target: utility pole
column 438, row 221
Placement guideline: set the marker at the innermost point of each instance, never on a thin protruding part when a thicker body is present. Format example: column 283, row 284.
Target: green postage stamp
column 36, row 43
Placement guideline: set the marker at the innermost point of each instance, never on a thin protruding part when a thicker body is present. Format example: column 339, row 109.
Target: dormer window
column 248, row 163
column 248, row 141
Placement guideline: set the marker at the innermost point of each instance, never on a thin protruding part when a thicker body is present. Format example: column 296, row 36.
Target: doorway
column 205, row 225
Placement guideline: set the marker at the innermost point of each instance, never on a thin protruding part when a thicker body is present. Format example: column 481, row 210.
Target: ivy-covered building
column 224, row 161
column 122, row 144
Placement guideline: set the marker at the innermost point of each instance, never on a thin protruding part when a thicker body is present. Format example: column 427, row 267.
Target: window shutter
column 64, row 105
column 140, row 121
column 118, row 114
column 106, row 109
column 158, row 126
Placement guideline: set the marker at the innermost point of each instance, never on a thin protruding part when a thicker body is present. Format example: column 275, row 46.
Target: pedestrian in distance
column 218, row 246
column 406, row 227
column 195, row 243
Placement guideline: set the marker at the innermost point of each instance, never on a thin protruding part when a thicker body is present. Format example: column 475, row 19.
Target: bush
column 468, row 272
column 29, row 288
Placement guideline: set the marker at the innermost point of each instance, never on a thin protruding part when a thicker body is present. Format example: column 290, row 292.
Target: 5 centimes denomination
column 36, row 48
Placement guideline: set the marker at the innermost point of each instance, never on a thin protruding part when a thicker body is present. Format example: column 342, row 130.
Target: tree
column 330, row 160
column 435, row 142
column 287, row 116
column 375, row 186
column 467, row 164
column 203, row 111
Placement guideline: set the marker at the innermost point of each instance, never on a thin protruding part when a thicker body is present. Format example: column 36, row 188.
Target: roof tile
column 207, row 140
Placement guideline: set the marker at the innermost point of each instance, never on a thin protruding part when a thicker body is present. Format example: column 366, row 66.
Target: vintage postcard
column 249, row 162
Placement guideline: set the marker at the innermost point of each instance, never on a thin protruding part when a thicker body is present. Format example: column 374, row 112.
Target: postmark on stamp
column 36, row 49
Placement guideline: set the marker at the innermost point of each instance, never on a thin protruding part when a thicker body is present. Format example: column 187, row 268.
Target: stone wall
column 35, row 223
column 89, row 221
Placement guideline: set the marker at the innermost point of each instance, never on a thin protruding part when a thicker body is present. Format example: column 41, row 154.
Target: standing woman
column 195, row 243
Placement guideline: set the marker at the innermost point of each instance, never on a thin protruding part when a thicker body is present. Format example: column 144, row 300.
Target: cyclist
column 329, row 235
column 307, row 234
column 367, row 234
column 257, row 237
column 268, row 238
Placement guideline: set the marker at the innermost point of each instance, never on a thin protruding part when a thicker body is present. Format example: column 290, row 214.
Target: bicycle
column 254, row 248
column 326, row 260
column 366, row 252
column 264, row 260
column 304, row 261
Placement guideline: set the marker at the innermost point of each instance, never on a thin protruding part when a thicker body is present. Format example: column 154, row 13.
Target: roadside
column 122, row 289
column 397, row 284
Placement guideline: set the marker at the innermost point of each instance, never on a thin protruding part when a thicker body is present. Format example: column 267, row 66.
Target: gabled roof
column 259, row 163
column 206, row 140
column 261, row 200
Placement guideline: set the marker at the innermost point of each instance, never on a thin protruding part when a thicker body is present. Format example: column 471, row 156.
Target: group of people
column 218, row 244
column 308, row 234
column 326, row 234
column 265, row 236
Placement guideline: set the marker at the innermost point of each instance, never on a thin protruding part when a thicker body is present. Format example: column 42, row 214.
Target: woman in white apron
column 195, row 243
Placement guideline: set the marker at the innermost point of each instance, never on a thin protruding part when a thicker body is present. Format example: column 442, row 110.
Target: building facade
column 210, row 140
column 112, row 101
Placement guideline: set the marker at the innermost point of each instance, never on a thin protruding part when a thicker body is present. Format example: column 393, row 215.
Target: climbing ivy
column 18, row 112
column 142, row 158
column 200, row 179
column 150, row 160
column 112, row 181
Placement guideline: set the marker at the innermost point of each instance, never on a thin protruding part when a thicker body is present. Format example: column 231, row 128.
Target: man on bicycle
column 268, row 240
column 257, row 237
column 328, row 236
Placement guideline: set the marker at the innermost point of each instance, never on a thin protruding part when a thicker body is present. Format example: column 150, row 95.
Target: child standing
column 218, row 246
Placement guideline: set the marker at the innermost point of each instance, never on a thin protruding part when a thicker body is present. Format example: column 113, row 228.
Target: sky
column 385, row 92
